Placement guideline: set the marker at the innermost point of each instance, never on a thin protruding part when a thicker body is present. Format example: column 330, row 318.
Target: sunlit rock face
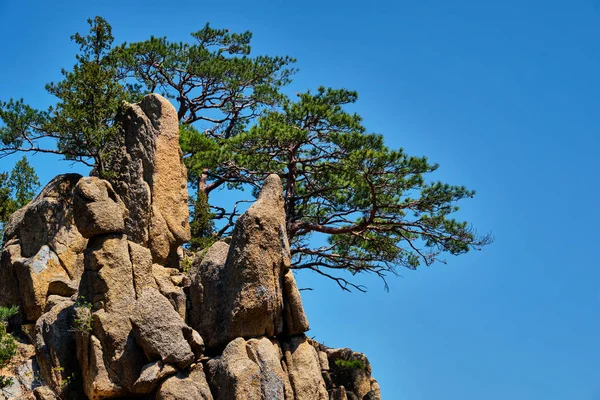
column 93, row 266
column 151, row 178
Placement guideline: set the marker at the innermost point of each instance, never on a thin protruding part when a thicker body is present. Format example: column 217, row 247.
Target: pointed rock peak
column 272, row 190
column 161, row 113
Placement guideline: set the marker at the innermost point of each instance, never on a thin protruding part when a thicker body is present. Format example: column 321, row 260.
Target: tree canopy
column 374, row 206
column 372, row 203
column 16, row 190
column 82, row 122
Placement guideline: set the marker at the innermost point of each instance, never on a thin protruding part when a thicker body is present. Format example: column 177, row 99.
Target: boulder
column 249, row 370
column 351, row 370
column 151, row 376
column 167, row 281
column 253, row 301
column 151, row 177
column 208, row 286
column 96, row 382
column 54, row 343
column 108, row 354
column 41, row 245
column 97, row 208
column 274, row 382
column 304, row 369
column 34, row 275
column 48, row 220
column 186, row 386
column 244, row 296
column 159, row 328
column 234, row 376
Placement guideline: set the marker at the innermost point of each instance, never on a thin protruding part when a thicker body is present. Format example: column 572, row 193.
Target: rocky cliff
column 107, row 312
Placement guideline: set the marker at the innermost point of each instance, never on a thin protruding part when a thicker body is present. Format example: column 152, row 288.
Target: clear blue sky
column 503, row 94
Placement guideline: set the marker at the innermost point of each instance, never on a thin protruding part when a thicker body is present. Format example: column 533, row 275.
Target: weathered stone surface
column 151, row 376
column 274, row 382
column 304, row 369
column 107, row 281
column 159, row 330
column 234, row 376
column 41, row 243
column 323, row 360
column 110, row 358
column 251, row 304
column 97, row 208
column 351, row 370
column 166, row 279
column 44, row 393
column 9, row 285
column 96, row 381
column 141, row 261
column 48, row 220
column 186, row 386
column 63, row 287
column 249, row 370
column 152, row 179
column 208, row 285
column 34, row 276
column 54, row 344
column 295, row 318
column 116, row 304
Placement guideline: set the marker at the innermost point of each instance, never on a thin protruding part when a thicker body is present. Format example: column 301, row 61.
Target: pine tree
column 16, row 190
column 373, row 204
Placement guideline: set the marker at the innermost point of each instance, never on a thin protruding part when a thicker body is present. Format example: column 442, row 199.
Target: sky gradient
column 504, row 95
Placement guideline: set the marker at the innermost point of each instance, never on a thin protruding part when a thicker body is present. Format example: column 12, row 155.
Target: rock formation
column 41, row 246
column 93, row 266
column 151, row 178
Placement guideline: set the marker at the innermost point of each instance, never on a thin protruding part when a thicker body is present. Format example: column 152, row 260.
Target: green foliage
column 83, row 316
column 7, row 204
column 16, row 189
column 63, row 382
column 350, row 364
column 373, row 203
column 8, row 344
column 88, row 98
column 376, row 206
column 214, row 79
column 202, row 225
column 186, row 264
column 24, row 182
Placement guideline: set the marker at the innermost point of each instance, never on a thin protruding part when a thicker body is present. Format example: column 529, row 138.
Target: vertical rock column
column 108, row 355
column 151, row 178
column 246, row 289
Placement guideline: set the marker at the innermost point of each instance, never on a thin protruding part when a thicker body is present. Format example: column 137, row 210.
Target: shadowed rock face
column 94, row 265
